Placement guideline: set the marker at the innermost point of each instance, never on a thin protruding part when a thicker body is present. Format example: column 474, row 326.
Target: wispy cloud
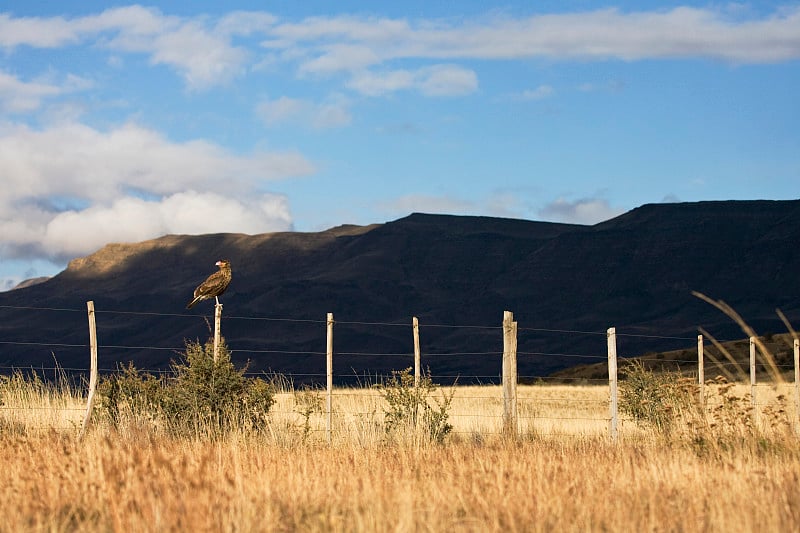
column 330, row 114
column 436, row 80
column 203, row 55
column 350, row 43
column 202, row 50
column 17, row 96
column 582, row 211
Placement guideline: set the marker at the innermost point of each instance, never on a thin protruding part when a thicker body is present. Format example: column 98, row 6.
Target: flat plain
column 562, row 472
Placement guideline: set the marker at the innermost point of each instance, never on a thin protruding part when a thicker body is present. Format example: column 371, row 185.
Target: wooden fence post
column 797, row 382
column 611, row 336
column 753, row 381
column 217, row 330
column 329, row 375
column 417, row 355
column 93, row 368
column 509, row 374
column 701, row 373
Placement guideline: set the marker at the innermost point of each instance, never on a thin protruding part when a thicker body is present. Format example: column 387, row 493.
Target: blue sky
column 121, row 124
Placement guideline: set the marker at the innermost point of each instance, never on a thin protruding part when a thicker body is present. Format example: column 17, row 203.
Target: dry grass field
column 562, row 474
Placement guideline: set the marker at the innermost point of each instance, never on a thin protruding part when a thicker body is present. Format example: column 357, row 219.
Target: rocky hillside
column 565, row 283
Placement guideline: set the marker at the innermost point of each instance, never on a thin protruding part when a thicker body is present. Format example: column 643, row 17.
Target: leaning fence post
column 611, row 335
column 417, row 356
column 701, row 373
column 217, row 330
column 509, row 374
column 93, row 368
column 329, row 375
column 753, row 381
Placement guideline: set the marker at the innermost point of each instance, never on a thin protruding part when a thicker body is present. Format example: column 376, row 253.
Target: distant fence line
column 509, row 354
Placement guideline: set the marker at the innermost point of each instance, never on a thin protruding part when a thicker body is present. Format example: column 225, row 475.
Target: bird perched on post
column 214, row 285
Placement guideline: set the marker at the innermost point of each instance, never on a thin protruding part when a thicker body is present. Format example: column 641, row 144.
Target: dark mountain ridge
column 635, row 272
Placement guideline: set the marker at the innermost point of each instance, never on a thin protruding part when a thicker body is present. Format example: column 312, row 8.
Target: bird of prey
column 214, row 285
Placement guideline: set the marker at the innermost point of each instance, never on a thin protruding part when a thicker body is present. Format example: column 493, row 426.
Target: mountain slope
column 635, row 272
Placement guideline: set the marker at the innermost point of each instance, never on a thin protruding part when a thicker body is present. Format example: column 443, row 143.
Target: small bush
column 199, row 396
column 654, row 399
column 410, row 409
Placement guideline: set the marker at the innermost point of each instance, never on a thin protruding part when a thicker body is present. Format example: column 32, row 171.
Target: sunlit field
column 553, row 410
column 562, row 472
column 569, row 411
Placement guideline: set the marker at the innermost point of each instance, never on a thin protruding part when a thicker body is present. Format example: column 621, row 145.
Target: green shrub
column 198, row 397
column 410, row 409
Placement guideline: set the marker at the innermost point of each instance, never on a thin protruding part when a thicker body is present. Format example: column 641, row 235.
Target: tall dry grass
column 563, row 474
column 134, row 482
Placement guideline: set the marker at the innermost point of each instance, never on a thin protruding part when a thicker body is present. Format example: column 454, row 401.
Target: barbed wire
column 48, row 344
column 99, row 311
column 24, row 307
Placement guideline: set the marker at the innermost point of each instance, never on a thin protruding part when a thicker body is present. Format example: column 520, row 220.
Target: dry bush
column 414, row 410
column 201, row 396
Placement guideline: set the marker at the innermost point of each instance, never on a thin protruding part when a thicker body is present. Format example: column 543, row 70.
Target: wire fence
column 546, row 404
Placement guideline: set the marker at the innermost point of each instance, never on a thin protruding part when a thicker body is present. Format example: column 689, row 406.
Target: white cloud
column 583, row 211
column 447, row 80
column 340, row 57
column 17, row 96
column 611, row 33
column 331, row 114
column 204, row 56
column 36, row 31
column 281, row 109
column 376, row 84
column 436, row 80
column 349, row 44
column 77, row 160
column 70, row 176
column 132, row 219
column 201, row 48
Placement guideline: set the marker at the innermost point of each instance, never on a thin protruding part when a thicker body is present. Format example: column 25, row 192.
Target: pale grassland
column 543, row 410
column 563, row 474
column 37, row 406
column 569, row 411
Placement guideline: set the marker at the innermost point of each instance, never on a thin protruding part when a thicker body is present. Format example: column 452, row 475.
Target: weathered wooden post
column 417, row 355
column 509, row 374
column 753, row 403
column 611, row 335
column 329, row 376
column 93, row 368
column 701, row 373
column 217, row 330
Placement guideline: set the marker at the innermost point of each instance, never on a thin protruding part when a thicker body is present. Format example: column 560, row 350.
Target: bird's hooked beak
column 218, row 263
